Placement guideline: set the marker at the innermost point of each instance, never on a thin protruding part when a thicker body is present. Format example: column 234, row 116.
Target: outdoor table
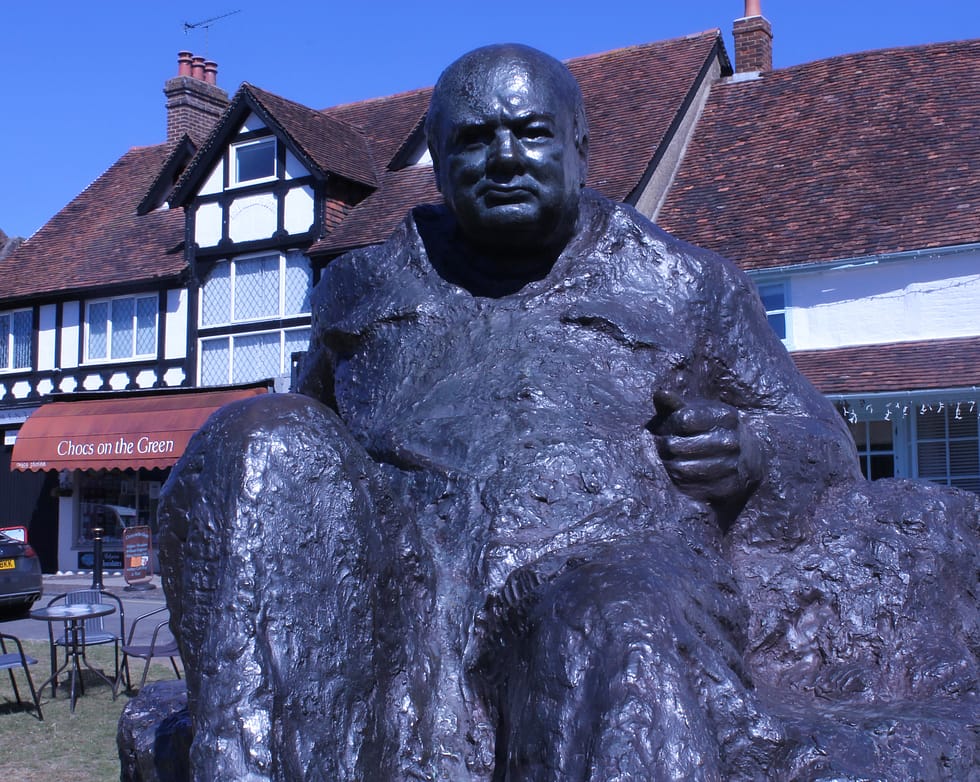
column 74, row 617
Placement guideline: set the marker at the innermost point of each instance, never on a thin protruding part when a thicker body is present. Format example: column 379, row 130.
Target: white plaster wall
column 21, row 389
column 252, row 122
column 70, row 333
column 216, row 180
column 207, row 225
column 46, row 358
column 294, row 169
column 173, row 377
column 299, row 210
column 252, row 217
column 175, row 341
column 889, row 301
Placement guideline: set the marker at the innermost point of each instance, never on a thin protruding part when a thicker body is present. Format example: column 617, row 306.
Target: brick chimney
column 753, row 40
column 194, row 100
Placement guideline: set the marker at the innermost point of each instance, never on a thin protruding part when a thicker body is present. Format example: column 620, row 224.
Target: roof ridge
column 880, row 52
column 375, row 99
column 711, row 33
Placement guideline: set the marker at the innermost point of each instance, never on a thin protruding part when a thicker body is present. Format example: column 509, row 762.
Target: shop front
column 112, row 454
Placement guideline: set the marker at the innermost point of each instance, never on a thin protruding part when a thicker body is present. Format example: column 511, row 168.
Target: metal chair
column 162, row 644
column 11, row 660
column 96, row 633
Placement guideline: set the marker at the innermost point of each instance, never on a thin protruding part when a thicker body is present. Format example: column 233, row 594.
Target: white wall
column 46, row 358
column 175, row 342
column 70, row 333
column 932, row 296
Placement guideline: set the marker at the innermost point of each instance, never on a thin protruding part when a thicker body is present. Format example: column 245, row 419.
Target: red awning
column 118, row 433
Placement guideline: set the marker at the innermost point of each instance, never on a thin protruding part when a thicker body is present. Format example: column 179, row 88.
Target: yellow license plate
column 6, row 564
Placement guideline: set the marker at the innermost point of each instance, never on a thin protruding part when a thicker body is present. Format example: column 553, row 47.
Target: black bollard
column 97, row 568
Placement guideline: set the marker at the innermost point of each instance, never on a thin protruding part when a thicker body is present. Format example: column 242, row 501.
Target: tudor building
column 181, row 277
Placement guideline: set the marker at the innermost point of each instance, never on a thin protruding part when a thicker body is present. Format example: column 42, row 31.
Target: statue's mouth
column 495, row 195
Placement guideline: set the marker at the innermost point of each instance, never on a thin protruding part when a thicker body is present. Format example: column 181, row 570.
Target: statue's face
column 506, row 158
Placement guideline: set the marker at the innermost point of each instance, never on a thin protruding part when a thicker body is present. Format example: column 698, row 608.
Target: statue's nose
column 505, row 152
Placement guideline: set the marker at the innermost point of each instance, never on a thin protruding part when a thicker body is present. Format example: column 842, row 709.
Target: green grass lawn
column 80, row 747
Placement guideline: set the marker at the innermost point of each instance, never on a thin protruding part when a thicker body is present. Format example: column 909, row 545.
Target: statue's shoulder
column 621, row 232
column 368, row 272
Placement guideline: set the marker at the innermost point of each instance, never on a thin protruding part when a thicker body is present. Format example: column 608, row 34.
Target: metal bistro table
column 74, row 617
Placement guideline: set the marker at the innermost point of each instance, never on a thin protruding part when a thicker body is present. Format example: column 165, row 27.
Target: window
column 243, row 358
column 121, row 328
column 947, row 446
column 253, row 290
column 15, row 339
column 114, row 501
column 875, row 447
column 253, row 161
column 256, row 288
column 773, row 297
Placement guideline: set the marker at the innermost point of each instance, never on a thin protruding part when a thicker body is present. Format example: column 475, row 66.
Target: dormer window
column 254, row 161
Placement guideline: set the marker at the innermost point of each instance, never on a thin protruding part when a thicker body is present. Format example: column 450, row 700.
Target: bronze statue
column 554, row 504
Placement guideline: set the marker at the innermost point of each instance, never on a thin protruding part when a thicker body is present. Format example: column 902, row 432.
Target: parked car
column 20, row 575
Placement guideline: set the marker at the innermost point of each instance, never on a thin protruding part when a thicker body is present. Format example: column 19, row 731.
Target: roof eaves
column 163, row 185
column 715, row 54
column 211, row 148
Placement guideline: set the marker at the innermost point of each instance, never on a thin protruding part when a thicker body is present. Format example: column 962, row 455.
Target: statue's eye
column 473, row 136
column 537, row 130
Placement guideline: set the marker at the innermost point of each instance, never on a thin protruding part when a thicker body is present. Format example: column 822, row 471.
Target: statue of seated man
column 518, row 523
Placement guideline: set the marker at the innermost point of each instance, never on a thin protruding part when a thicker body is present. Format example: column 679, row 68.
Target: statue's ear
column 435, row 165
column 582, row 146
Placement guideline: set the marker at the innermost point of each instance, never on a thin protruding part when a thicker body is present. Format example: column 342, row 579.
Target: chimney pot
column 753, row 8
column 183, row 63
column 194, row 100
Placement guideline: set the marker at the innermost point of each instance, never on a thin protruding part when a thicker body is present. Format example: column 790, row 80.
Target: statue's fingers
column 703, row 416
column 723, row 443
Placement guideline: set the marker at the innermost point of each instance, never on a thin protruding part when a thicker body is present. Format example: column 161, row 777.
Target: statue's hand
column 706, row 450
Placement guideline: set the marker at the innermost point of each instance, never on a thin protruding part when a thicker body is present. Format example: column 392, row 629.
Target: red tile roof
column 98, row 239
column 863, row 154
column 627, row 124
column 897, row 366
column 388, row 122
column 333, row 145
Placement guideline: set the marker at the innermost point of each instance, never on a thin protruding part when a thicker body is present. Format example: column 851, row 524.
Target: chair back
column 95, row 629
column 90, row 597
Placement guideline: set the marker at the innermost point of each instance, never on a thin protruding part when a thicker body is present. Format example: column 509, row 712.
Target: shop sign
column 137, row 555
column 111, row 560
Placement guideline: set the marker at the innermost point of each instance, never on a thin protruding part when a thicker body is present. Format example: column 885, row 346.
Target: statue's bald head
column 466, row 79
column 507, row 132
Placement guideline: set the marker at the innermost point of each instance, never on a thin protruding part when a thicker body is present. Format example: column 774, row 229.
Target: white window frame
column 280, row 313
column 285, row 361
column 11, row 365
column 784, row 310
column 133, row 356
column 234, row 180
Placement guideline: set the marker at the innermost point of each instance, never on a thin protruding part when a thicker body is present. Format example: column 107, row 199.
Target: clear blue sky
column 81, row 82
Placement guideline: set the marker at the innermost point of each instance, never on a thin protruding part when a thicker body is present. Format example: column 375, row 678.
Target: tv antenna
column 206, row 24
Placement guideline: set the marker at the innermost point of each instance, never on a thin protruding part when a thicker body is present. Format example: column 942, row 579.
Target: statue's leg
column 624, row 665
column 268, row 535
